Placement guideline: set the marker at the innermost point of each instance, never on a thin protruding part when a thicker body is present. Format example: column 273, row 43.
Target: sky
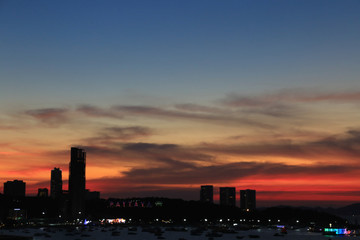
column 166, row 96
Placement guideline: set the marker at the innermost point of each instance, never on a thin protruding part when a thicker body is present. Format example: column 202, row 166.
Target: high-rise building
column 206, row 193
column 14, row 188
column 248, row 200
column 43, row 192
column 56, row 183
column 227, row 196
column 77, row 182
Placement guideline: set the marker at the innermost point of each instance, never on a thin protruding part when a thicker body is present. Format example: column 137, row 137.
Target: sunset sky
column 165, row 96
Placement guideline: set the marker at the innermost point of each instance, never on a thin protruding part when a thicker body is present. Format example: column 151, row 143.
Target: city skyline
column 77, row 192
column 167, row 96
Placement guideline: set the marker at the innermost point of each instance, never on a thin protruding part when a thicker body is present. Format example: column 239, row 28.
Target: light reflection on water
column 95, row 233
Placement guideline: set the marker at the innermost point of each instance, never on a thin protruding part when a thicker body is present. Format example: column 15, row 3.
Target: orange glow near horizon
column 282, row 187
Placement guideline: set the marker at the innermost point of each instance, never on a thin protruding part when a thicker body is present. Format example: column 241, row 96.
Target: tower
column 77, row 182
column 227, row 196
column 56, row 183
column 248, row 200
column 206, row 193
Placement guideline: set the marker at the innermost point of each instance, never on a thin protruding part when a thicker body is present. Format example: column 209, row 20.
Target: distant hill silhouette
column 353, row 209
column 301, row 216
column 350, row 213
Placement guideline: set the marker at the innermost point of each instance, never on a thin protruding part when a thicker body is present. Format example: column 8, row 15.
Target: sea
column 145, row 233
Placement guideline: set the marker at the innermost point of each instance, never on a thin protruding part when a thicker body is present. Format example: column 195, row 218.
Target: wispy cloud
column 150, row 154
column 277, row 110
column 94, row 111
column 191, row 107
column 119, row 134
column 206, row 117
column 332, row 148
column 178, row 113
column 49, row 116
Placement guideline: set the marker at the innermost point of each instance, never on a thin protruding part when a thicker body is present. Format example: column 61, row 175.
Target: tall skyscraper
column 248, row 200
column 227, row 196
column 56, row 183
column 206, row 193
column 77, row 182
column 14, row 188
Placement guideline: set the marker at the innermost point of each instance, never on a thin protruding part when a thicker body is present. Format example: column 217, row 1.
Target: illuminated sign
column 114, row 220
column 133, row 204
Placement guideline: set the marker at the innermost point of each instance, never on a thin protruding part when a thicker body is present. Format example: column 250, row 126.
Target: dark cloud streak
column 343, row 145
column 51, row 116
column 175, row 174
column 290, row 96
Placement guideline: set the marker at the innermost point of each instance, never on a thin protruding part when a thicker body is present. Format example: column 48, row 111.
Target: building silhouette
column 248, row 200
column 207, row 193
column 77, row 182
column 43, row 192
column 227, row 196
column 56, row 183
column 92, row 195
column 14, row 188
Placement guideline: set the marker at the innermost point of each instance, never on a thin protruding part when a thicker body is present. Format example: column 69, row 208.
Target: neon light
column 337, row 231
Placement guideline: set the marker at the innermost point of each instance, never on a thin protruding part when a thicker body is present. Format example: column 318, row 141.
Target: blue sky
column 193, row 49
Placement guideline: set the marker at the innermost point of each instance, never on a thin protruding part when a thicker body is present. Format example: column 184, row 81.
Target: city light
column 337, row 231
